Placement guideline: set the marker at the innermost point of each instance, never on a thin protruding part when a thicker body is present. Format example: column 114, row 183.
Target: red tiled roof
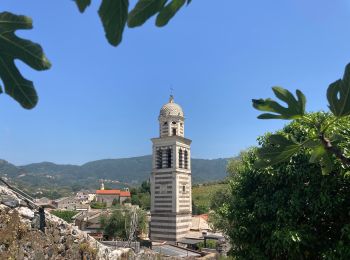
column 124, row 193
column 108, row 192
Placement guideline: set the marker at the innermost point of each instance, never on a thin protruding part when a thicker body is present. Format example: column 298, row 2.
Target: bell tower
column 171, row 197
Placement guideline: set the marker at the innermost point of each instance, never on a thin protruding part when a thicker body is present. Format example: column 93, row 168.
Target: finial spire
column 171, row 99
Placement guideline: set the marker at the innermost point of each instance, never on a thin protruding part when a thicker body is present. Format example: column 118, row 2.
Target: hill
column 130, row 170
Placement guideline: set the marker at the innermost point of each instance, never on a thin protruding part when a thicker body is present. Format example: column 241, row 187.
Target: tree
column 145, row 187
column 289, row 210
column 114, row 15
column 324, row 138
column 142, row 195
column 117, row 224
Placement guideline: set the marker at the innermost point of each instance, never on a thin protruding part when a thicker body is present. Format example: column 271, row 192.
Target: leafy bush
column 289, row 210
column 66, row 215
column 98, row 205
column 210, row 243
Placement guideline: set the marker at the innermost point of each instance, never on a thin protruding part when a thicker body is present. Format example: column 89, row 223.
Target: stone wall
column 20, row 237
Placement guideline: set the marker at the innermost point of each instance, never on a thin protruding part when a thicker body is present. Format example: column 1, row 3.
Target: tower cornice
column 173, row 138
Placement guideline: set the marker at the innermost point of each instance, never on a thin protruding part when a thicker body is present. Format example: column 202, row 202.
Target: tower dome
column 171, row 119
column 171, row 109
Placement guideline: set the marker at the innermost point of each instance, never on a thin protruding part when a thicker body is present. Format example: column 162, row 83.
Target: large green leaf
column 280, row 149
column 13, row 47
column 169, row 11
column 338, row 95
column 82, row 4
column 114, row 14
column 143, row 10
column 295, row 109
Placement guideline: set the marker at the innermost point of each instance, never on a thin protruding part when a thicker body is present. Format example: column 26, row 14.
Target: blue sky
column 100, row 102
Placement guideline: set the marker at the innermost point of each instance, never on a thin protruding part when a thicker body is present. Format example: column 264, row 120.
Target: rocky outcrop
column 20, row 237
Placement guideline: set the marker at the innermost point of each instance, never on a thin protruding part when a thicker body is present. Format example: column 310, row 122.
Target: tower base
column 169, row 226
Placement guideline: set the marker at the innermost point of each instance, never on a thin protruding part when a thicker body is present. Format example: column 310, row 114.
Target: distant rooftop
column 114, row 192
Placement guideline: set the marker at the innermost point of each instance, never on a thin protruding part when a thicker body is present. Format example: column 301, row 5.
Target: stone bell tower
column 171, row 199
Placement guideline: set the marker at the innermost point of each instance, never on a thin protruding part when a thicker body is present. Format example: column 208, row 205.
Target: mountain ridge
column 132, row 170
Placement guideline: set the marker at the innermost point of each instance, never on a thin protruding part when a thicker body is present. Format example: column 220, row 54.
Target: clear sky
column 101, row 102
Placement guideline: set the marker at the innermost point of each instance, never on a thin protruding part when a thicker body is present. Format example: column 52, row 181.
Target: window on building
column 181, row 165
column 186, row 159
column 183, row 188
column 174, row 131
column 169, row 155
column 159, row 159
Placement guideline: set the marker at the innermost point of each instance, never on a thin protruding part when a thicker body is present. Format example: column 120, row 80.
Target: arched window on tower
column 169, row 155
column 159, row 159
column 164, row 128
column 181, row 162
column 186, row 159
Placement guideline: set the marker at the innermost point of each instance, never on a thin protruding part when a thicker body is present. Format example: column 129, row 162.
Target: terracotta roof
column 108, row 192
column 124, row 193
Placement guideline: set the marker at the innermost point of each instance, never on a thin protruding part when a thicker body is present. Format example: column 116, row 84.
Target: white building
column 171, row 199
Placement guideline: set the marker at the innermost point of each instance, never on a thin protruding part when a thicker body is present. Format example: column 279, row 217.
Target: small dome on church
column 171, row 109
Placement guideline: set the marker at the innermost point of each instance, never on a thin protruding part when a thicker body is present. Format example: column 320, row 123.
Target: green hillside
column 47, row 175
column 202, row 194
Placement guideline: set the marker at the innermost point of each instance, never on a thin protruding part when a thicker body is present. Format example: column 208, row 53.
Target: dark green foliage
column 295, row 109
column 145, row 187
column 279, row 150
column 169, row 12
column 144, row 10
column 117, row 224
column 114, row 14
column 322, row 143
column 142, row 195
column 338, row 95
column 82, row 4
column 199, row 209
column 210, row 243
column 289, row 210
column 12, row 47
column 98, row 205
column 66, row 215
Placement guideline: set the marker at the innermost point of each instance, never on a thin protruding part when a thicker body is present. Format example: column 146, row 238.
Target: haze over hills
column 130, row 170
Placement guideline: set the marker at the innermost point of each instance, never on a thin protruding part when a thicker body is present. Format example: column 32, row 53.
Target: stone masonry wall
column 21, row 239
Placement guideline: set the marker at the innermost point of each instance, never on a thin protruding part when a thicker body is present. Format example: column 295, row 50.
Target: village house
column 85, row 197
column 70, row 203
column 65, row 203
column 108, row 196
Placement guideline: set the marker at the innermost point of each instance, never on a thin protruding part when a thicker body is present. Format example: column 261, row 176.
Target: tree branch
column 334, row 150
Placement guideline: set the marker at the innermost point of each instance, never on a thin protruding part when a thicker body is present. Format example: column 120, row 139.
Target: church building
column 171, row 197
